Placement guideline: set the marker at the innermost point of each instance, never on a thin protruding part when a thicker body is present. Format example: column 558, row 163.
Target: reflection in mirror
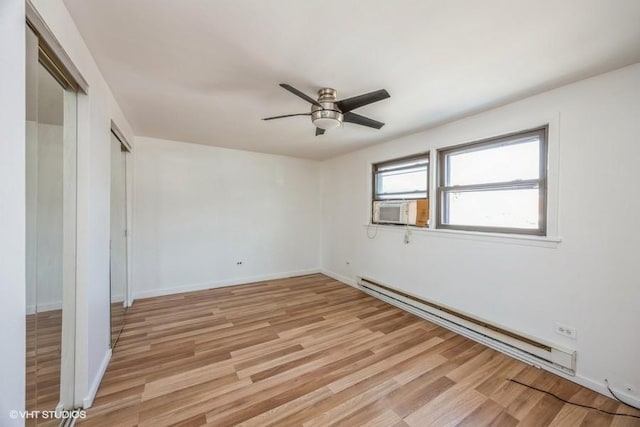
column 50, row 232
column 118, row 238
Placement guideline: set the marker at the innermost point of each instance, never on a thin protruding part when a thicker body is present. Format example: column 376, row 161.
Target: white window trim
column 479, row 236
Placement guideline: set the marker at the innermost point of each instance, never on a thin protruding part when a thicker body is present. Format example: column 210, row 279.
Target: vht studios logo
column 48, row 415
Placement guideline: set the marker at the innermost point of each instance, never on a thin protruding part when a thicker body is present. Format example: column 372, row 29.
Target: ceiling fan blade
column 319, row 131
column 286, row 115
column 349, row 104
column 350, row 117
column 302, row 95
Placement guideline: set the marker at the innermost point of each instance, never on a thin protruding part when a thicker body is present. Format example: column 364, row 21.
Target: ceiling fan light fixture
column 327, row 123
column 326, row 117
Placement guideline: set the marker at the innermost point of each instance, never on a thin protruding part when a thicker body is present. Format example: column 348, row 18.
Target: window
column 496, row 185
column 400, row 191
column 401, row 179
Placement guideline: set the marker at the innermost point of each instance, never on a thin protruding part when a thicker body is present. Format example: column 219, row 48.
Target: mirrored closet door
column 118, row 253
column 51, row 103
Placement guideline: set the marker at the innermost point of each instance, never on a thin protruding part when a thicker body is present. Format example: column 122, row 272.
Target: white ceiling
column 206, row 71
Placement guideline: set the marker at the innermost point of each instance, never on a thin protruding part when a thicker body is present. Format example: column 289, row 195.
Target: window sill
column 513, row 239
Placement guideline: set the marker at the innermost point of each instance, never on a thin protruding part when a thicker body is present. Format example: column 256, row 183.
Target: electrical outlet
column 238, row 262
column 567, row 331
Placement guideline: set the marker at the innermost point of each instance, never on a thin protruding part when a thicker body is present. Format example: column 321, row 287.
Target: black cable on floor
column 573, row 403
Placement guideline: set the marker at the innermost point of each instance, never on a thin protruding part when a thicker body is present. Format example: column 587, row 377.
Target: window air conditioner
column 405, row 212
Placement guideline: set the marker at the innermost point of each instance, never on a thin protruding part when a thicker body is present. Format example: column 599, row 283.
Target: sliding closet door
column 31, row 154
column 51, row 234
column 118, row 237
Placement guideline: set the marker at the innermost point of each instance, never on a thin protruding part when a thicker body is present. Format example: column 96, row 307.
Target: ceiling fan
column 329, row 113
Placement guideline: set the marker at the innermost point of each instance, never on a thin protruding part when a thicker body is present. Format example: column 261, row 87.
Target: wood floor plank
column 187, row 379
column 43, row 356
column 416, row 394
column 310, row 351
column 293, row 387
column 504, row 420
column 448, row 408
column 569, row 415
column 543, row 413
column 483, row 415
column 276, row 415
column 394, row 358
column 345, row 409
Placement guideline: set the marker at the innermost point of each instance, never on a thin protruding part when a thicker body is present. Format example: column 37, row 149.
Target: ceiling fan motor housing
column 328, row 116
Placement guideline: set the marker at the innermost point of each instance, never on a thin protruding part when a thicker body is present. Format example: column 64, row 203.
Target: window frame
column 374, row 178
column 376, row 167
column 541, row 183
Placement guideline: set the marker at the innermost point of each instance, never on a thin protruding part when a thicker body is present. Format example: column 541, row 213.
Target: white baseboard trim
column 95, row 384
column 222, row 283
column 340, row 278
column 601, row 388
column 31, row 309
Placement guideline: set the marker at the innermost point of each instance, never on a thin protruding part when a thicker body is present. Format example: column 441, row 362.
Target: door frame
column 115, row 130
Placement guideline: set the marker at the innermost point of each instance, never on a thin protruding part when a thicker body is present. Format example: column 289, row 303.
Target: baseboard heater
column 530, row 350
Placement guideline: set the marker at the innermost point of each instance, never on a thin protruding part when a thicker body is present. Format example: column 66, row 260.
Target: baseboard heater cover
column 520, row 346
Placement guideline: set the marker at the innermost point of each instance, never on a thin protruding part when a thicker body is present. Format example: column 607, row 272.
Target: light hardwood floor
column 312, row 351
column 42, row 391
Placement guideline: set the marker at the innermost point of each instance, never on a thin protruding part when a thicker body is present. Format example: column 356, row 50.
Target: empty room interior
column 286, row 213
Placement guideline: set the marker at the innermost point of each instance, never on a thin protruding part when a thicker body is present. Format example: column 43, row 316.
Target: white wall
column 589, row 280
column 12, row 209
column 201, row 209
column 95, row 112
